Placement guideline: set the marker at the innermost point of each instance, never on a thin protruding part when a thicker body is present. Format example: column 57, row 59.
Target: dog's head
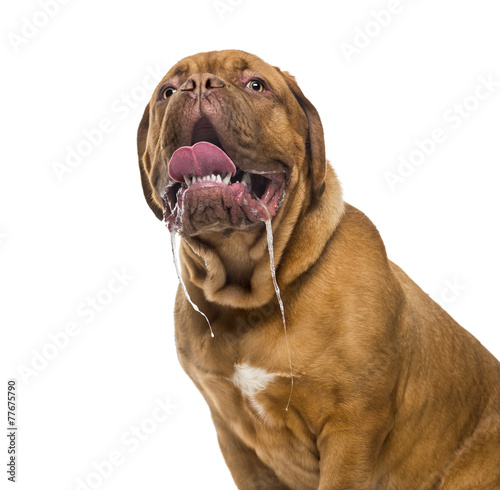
column 224, row 139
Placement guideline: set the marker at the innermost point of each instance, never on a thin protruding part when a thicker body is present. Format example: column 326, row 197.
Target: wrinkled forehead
column 228, row 65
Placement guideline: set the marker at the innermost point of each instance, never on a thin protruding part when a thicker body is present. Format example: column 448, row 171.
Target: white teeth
column 246, row 180
column 190, row 180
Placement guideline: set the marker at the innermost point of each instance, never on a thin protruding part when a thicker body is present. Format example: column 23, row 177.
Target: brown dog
column 389, row 392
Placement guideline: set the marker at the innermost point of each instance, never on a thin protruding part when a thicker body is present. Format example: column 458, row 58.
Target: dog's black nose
column 200, row 84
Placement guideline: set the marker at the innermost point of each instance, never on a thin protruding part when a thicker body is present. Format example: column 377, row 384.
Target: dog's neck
column 228, row 269
column 234, row 270
column 237, row 252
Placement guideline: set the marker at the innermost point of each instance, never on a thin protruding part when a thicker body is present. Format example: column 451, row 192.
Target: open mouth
column 208, row 189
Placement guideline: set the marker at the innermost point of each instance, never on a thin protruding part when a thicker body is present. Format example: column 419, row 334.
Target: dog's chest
column 252, row 402
column 251, row 397
column 252, row 382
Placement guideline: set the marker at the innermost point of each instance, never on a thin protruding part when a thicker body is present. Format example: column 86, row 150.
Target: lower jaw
column 216, row 208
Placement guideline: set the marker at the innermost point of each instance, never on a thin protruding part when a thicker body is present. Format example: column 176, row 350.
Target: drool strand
column 269, row 231
column 178, row 270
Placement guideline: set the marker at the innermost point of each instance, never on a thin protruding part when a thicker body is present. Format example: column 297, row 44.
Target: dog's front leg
column 248, row 471
column 348, row 458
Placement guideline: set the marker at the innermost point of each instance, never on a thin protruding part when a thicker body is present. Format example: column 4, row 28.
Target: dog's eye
column 167, row 92
column 255, row 85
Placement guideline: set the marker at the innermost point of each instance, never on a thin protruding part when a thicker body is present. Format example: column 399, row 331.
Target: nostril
column 213, row 82
column 189, row 86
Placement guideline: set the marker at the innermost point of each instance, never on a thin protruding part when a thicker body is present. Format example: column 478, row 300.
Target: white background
column 61, row 240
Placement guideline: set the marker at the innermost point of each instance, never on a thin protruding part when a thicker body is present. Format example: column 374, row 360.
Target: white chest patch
column 251, row 381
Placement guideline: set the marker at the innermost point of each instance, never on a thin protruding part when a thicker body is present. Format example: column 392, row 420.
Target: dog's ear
column 145, row 165
column 316, row 139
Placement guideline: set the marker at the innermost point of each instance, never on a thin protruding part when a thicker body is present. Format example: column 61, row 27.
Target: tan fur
column 389, row 391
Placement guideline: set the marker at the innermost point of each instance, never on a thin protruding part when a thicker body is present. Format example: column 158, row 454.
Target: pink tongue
column 201, row 159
